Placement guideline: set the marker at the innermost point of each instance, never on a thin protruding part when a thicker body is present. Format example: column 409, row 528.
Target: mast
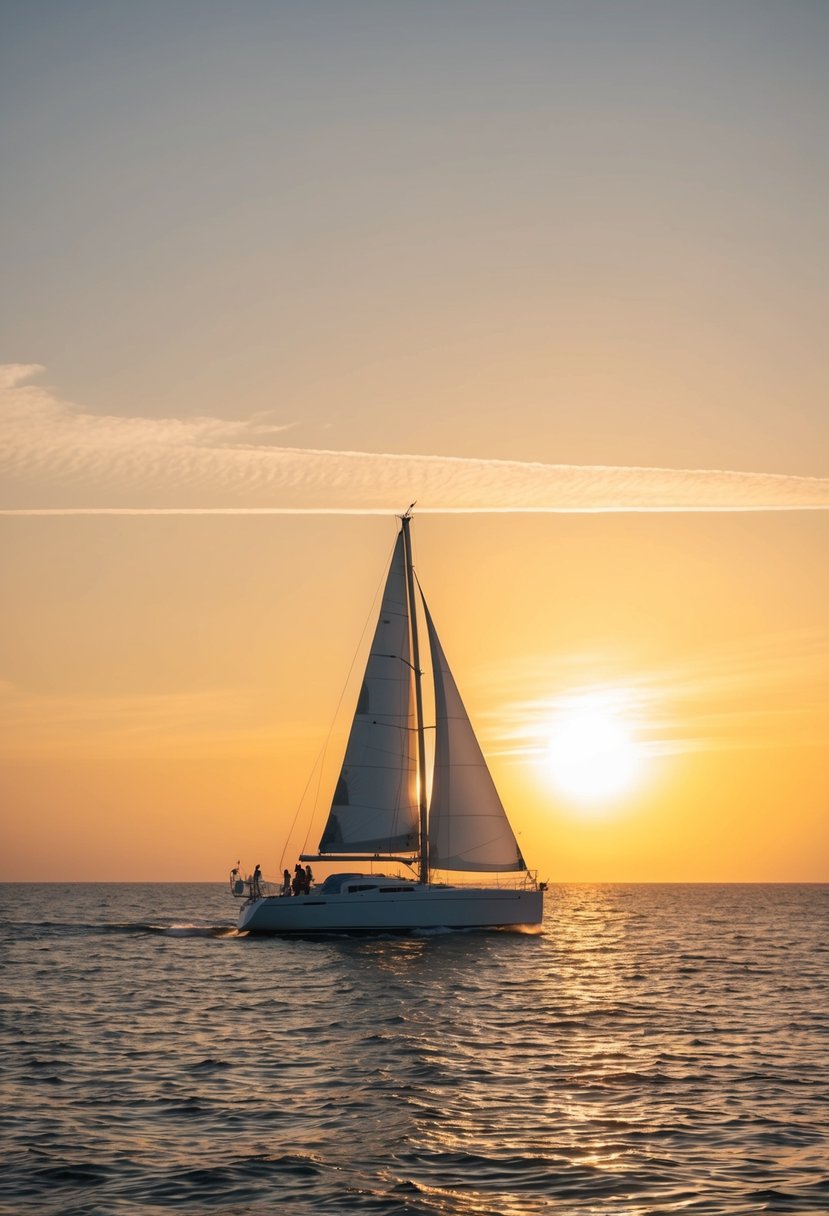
column 421, row 741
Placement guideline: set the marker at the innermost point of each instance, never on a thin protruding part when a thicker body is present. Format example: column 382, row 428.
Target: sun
column 592, row 754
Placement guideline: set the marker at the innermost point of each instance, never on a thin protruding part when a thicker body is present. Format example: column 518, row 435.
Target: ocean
column 656, row 1049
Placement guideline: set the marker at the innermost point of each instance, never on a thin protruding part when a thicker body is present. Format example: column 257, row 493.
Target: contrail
column 397, row 510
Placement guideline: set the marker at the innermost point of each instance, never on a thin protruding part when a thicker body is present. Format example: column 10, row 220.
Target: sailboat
column 379, row 812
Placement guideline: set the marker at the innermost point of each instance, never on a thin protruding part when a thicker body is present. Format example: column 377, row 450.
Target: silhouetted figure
column 254, row 882
column 309, row 879
column 286, row 882
column 299, row 879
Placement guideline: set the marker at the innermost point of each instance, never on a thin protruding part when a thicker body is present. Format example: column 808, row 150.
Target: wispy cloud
column 56, row 458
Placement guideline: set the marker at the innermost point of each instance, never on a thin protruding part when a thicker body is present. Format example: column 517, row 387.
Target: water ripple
column 655, row 1050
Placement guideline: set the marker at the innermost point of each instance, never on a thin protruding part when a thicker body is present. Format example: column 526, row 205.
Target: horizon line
column 565, row 882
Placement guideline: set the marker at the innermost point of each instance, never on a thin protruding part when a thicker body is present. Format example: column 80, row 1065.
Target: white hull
column 418, row 907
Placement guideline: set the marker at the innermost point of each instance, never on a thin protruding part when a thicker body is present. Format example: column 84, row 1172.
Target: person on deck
column 309, row 880
column 286, row 882
column 299, row 879
column 254, row 882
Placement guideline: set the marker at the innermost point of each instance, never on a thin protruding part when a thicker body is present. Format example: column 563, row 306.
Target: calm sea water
column 657, row 1049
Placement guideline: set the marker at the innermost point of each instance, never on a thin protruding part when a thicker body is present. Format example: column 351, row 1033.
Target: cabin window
column 334, row 883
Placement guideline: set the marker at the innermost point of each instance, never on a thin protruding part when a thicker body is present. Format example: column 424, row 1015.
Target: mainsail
column 375, row 802
column 468, row 826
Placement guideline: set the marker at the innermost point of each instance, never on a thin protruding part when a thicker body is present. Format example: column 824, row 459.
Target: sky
column 273, row 271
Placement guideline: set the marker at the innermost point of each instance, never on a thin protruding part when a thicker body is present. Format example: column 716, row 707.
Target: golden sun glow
column 592, row 754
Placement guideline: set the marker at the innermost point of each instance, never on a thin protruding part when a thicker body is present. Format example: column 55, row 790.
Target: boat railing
column 524, row 880
column 248, row 888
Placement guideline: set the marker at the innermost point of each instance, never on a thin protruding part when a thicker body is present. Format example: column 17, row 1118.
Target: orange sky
column 172, row 681
column 254, row 258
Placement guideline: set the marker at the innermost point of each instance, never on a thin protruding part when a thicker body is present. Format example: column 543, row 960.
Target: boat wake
column 194, row 930
column 92, row 929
